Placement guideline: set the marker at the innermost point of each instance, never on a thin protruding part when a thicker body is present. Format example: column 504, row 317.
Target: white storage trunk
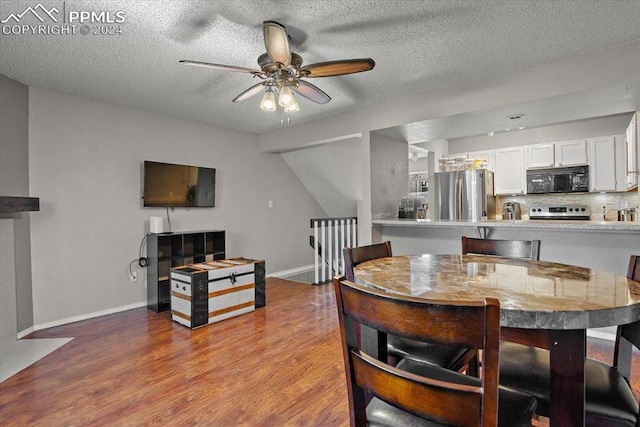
column 208, row 292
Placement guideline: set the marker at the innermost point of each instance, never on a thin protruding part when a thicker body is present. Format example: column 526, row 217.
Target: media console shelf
column 165, row 251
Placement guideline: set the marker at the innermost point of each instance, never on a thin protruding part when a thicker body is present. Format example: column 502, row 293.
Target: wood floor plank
column 280, row 365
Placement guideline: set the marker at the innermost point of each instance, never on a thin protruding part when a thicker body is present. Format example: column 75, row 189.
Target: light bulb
column 293, row 107
column 286, row 97
column 268, row 102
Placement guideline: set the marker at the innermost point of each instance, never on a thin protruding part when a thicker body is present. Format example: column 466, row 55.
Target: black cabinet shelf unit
column 165, row 251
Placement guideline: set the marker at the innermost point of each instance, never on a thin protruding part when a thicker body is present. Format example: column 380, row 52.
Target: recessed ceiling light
column 521, row 127
column 491, row 133
column 515, row 116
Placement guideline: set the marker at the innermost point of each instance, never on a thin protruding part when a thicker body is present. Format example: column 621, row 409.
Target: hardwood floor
column 278, row 366
column 281, row 365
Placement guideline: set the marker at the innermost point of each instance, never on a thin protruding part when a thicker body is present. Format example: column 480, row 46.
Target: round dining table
column 544, row 304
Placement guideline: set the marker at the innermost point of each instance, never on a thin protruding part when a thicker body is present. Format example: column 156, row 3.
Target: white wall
column 332, row 173
column 14, row 181
column 85, row 165
column 389, row 173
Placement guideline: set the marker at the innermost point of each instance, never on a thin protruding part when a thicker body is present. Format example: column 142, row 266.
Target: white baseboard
column 293, row 271
column 73, row 319
column 47, row 325
column 26, row 332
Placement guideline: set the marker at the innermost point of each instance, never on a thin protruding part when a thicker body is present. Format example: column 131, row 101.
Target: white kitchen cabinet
column 608, row 164
column 631, row 154
column 571, row 153
column 540, row 155
column 602, row 167
column 509, row 176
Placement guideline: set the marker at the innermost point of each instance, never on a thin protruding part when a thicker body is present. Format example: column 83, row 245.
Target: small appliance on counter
column 511, row 210
column 408, row 207
column 628, row 214
column 568, row 212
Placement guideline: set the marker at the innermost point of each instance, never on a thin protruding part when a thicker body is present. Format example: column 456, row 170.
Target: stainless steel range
column 571, row 212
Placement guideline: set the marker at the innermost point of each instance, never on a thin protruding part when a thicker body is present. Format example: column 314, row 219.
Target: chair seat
column 515, row 408
column 449, row 357
column 609, row 398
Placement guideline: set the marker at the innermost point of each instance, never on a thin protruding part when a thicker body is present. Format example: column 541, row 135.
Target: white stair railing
column 330, row 236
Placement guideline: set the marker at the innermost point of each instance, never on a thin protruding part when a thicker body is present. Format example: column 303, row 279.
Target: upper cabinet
column 631, row 164
column 602, row 168
column 557, row 154
column 540, row 155
column 571, row 153
column 608, row 164
column 509, row 176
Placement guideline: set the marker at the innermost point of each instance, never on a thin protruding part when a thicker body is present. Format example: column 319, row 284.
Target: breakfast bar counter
column 602, row 245
column 570, row 225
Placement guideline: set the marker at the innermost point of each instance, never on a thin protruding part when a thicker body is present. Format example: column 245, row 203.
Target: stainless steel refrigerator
column 464, row 195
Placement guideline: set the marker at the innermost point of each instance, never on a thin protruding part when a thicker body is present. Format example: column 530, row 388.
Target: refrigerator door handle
column 458, row 197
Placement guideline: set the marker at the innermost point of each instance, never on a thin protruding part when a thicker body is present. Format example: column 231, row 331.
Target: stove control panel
column 574, row 212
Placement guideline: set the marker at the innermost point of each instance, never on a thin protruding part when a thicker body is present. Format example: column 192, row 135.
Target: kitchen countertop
column 617, row 226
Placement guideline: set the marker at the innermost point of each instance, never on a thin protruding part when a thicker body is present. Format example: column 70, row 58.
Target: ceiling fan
column 282, row 72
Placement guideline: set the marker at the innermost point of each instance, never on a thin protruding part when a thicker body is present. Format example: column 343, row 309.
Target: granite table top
column 532, row 294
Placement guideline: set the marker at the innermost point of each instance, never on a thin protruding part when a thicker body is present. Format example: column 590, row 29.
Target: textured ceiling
column 418, row 46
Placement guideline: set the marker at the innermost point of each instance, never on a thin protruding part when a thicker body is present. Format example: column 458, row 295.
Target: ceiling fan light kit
column 268, row 102
column 282, row 72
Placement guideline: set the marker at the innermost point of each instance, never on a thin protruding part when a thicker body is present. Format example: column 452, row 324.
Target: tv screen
column 171, row 185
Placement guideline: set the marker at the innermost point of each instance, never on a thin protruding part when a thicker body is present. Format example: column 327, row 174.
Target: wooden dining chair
column 507, row 248
column 414, row 393
column 609, row 399
column 450, row 357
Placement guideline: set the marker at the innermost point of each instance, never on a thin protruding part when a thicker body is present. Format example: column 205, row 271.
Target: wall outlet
column 270, row 203
column 133, row 277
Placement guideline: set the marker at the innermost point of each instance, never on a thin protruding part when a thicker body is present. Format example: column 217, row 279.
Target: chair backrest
column 529, row 249
column 627, row 335
column 633, row 272
column 359, row 254
column 473, row 324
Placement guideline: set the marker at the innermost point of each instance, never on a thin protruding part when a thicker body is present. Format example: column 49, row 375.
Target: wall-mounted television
column 172, row 185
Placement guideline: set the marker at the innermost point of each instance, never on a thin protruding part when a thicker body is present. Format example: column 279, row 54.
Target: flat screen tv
column 171, row 185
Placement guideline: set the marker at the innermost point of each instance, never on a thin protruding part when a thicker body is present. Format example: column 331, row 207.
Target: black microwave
column 574, row 179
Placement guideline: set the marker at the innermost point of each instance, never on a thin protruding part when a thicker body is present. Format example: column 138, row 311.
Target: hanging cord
column 142, row 260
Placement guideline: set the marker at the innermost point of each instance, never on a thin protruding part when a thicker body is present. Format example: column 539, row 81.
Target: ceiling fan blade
column 223, row 67
column 253, row 90
column 337, row 68
column 311, row 92
column 277, row 43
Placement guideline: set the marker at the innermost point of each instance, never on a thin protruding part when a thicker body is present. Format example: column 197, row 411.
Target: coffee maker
column 511, row 210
